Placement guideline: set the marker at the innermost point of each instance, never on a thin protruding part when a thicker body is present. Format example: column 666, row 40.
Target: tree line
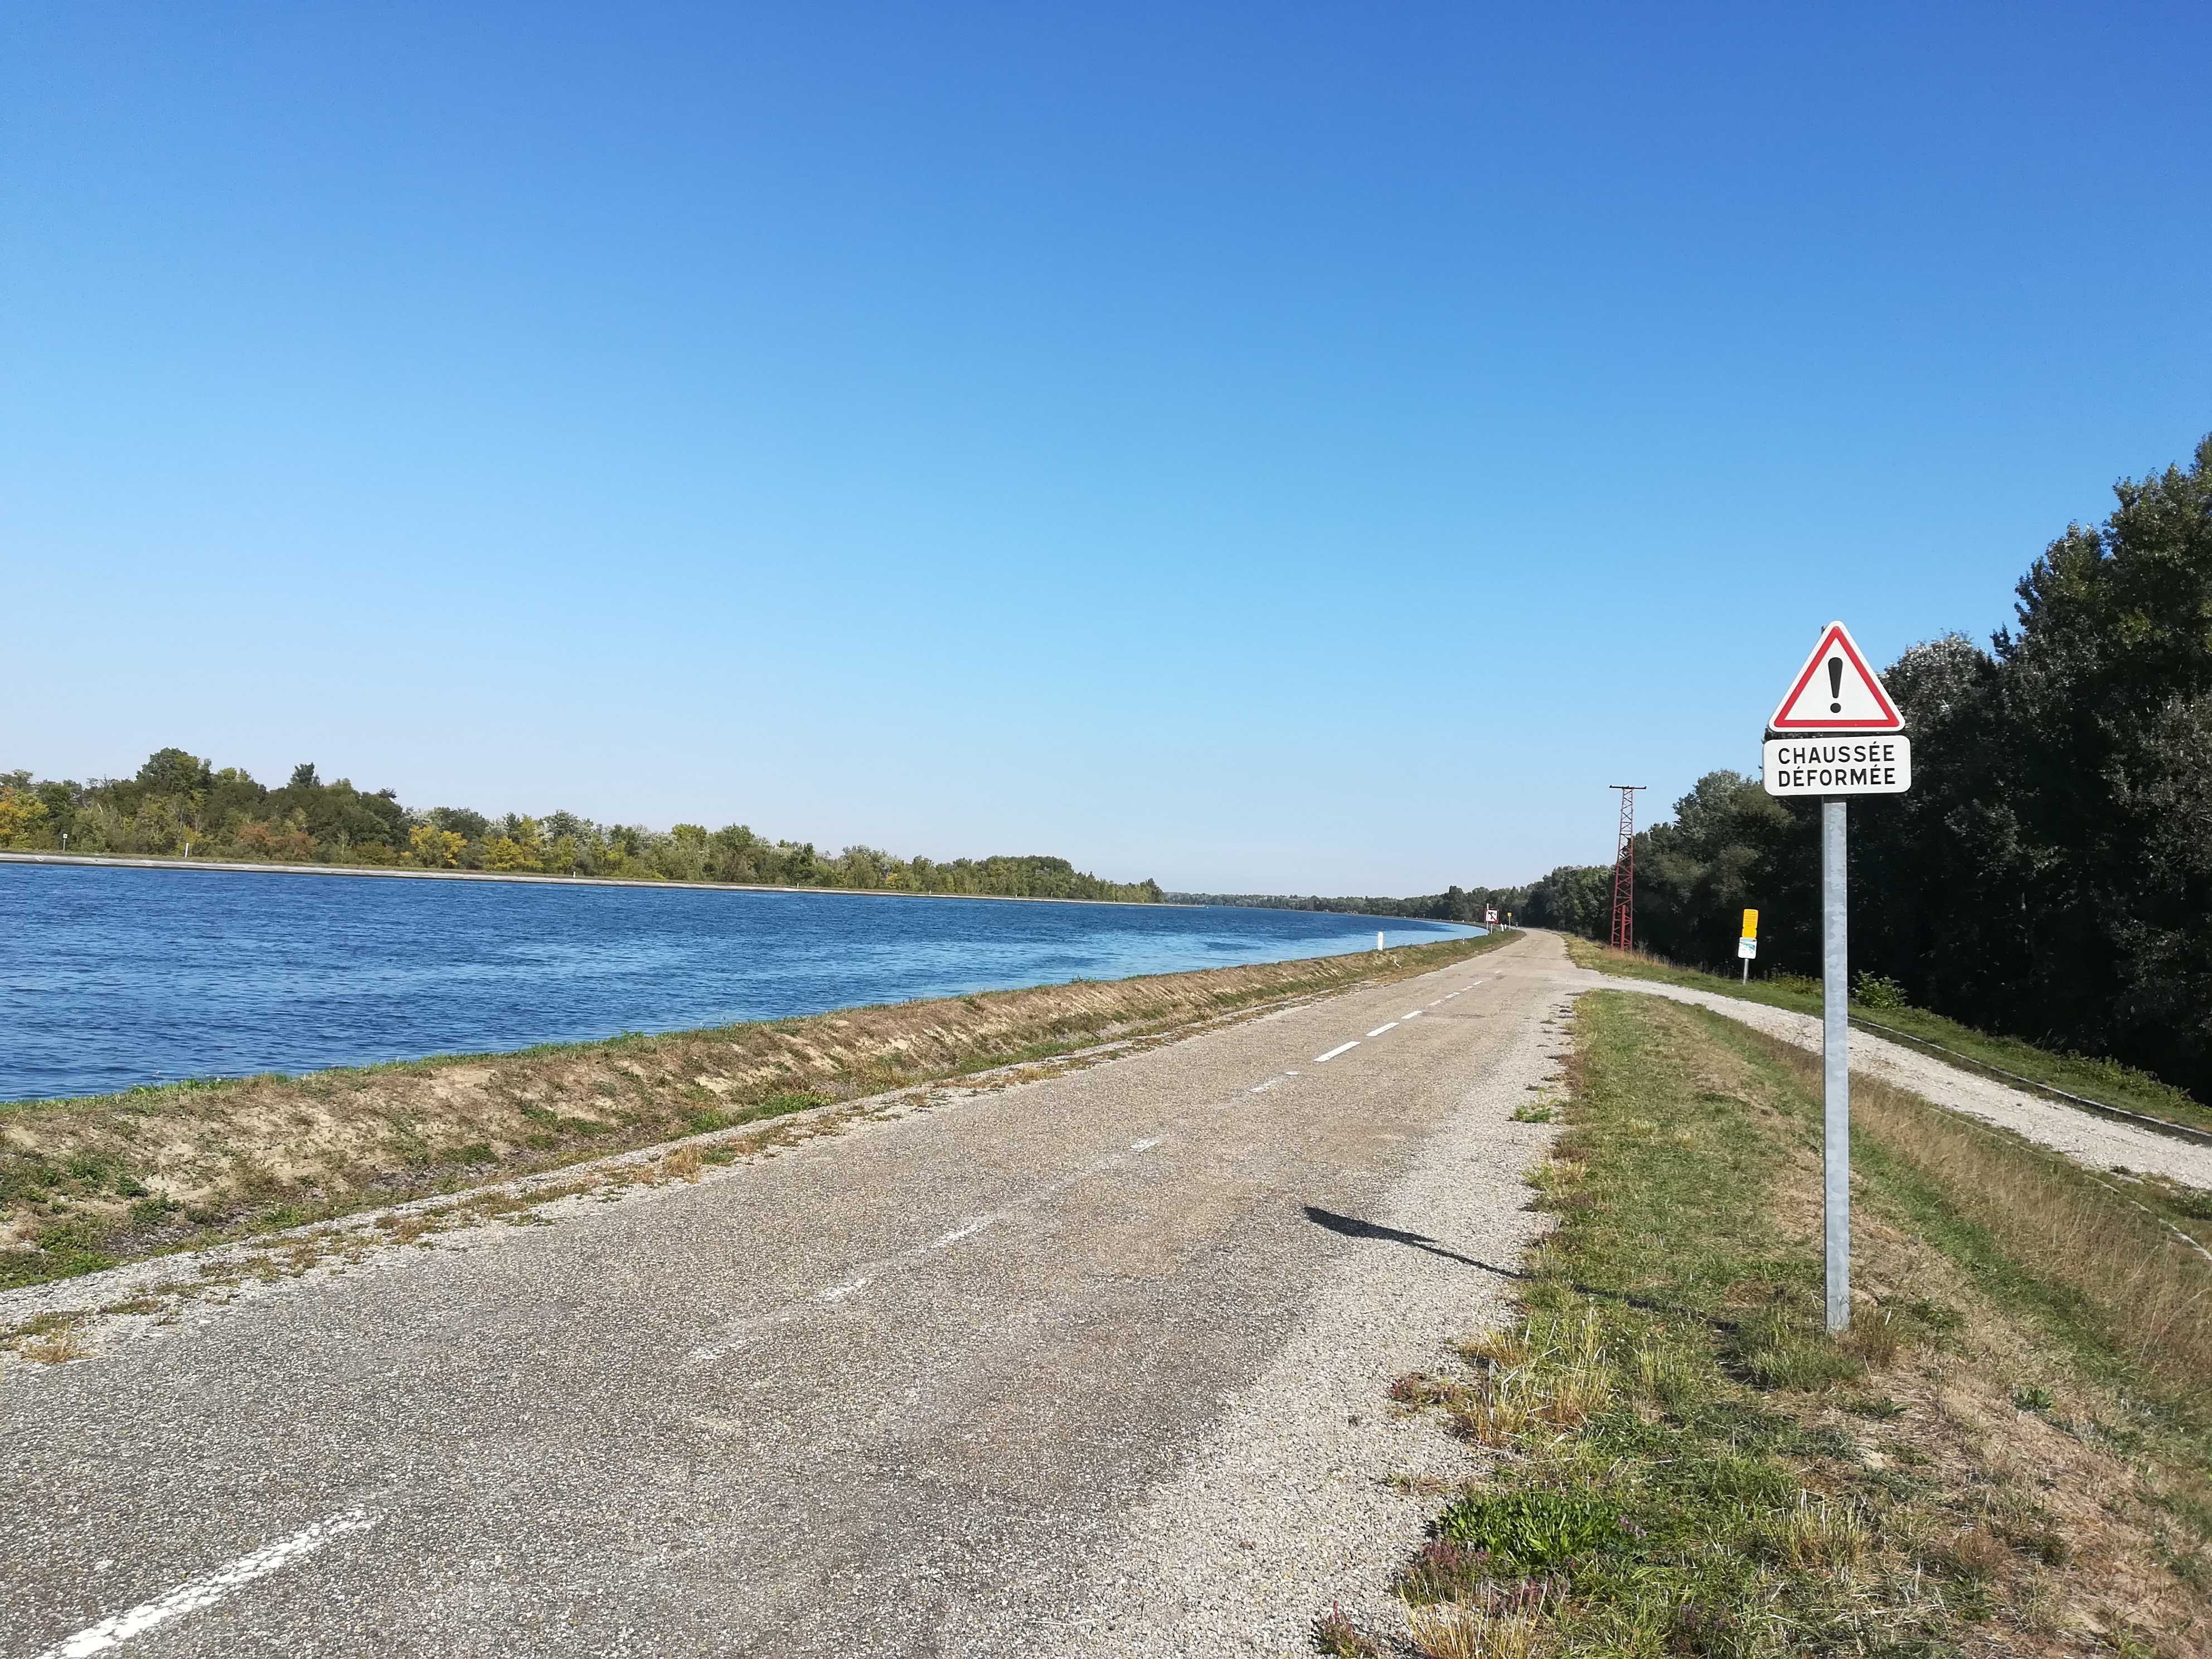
column 179, row 806
column 1464, row 904
column 2049, row 876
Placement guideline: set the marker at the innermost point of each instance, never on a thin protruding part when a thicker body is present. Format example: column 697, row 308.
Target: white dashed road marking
column 205, row 1592
column 742, row 1330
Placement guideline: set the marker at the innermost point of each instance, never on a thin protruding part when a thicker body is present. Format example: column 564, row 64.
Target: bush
column 1871, row 990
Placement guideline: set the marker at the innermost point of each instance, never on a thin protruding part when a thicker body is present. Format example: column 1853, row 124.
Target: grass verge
column 1675, row 1459
column 2106, row 1081
column 86, row 1183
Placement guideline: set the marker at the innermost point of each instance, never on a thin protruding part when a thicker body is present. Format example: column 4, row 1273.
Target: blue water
column 114, row 977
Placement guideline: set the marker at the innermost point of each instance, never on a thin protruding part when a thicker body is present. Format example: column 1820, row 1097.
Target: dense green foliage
column 2051, row 873
column 179, row 806
column 1455, row 904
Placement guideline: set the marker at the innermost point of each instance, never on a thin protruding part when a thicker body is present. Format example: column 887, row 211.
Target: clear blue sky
column 1270, row 447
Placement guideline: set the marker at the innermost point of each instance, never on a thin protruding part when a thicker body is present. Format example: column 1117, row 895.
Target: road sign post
column 1836, row 1060
column 1835, row 734
column 1747, row 946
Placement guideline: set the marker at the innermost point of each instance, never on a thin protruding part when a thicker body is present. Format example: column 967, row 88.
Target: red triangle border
column 1837, row 635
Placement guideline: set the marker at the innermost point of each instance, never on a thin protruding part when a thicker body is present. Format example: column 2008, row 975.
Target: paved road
column 925, row 1387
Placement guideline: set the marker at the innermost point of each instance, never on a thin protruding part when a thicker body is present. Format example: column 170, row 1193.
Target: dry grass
column 85, row 1183
column 54, row 1339
column 2151, row 1293
column 1458, row 1630
column 1823, row 1538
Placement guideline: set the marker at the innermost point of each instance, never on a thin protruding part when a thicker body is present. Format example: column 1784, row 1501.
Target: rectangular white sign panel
column 1747, row 948
column 1839, row 766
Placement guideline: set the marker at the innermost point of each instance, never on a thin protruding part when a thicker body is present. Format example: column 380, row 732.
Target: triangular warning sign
column 1836, row 691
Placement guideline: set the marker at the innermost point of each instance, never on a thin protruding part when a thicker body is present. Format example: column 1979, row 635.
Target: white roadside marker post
column 1836, row 734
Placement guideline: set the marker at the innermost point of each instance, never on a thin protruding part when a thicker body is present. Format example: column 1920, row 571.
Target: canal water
column 114, row 977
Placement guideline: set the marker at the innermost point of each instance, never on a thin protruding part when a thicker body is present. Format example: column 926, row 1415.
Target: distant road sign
column 1836, row 691
column 1490, row 917
column 1747, row 948
column 1838, row 766
column 1751, row 924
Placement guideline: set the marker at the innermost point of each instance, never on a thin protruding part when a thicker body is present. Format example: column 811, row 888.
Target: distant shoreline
column 220, row 866
column 525, row 878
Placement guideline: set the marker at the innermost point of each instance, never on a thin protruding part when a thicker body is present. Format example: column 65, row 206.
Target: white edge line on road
column 205, row 1592
column 839, row 1292
column 1147, row 1144
column 1262, row 1088
column 1414, row 1014
column 966, row 1230
column 1340, row 1048
column 1447, row 996
column 1378, row 1030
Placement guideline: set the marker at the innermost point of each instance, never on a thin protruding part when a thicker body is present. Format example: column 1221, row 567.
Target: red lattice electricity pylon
column 1624, row 871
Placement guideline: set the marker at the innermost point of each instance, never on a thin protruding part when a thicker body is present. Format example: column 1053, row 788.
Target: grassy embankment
column 2011, row 1452
column 85, row 1184
column 2104, row 1080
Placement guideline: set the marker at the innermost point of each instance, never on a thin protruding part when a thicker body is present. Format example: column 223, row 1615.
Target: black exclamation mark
column 1836, row 685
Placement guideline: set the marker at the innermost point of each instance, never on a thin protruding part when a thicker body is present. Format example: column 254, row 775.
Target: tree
column 22, row 816
column 1573, row 898
column 173, row 772
column 434, row 848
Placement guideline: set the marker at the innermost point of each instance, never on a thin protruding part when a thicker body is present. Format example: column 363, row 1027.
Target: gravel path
column 2084, row 1137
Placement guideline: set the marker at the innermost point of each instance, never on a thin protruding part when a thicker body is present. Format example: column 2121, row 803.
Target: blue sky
column 1277, row 447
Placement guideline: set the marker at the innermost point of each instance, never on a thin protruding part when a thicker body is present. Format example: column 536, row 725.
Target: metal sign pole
column 1836, row 1113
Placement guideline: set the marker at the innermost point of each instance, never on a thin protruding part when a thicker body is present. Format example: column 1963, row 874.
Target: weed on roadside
column 51, row 1340
column 1336, row 1634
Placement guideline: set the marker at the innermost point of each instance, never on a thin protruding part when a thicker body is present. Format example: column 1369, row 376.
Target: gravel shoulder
column 2096, row 1142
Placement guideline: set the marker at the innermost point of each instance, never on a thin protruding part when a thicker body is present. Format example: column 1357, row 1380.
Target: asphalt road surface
column 1092, row 1364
